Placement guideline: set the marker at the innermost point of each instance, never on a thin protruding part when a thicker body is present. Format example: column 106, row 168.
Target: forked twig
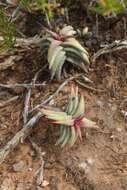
column 54, row 94
column 24, row 132
column 40, row 171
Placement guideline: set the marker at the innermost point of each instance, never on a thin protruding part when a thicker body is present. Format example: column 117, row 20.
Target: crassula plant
column 62, row 46
column 71, row 120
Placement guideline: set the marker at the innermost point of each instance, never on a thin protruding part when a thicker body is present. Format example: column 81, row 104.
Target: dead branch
column 26, row 106
column 17, row 85
column 54, row 94
column 113, row 47
column 89, row 87
column 22, row 134
column 40, row 171
column 5, row 103
column 26, row 42
column 27, row 98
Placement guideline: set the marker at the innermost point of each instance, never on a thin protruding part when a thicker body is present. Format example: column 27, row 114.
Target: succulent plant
column 61, row 47
column 71, row 120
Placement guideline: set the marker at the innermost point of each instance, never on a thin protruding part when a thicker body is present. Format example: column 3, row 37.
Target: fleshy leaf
column 87, row 123
column 76, row 44
column 81, row 107
column 53, row 51
column 59, row 61
column 76, row 101
column 58, row 117
column 60, row 66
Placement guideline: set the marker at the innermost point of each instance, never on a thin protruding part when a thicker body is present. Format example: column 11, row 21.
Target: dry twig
column 89, row 87
column 5, row 103
column 24, row 132
column 26, row 106
column 17, row 85
column 115, row 46
column 40, row 171
column 26, row 43
column 54, row 94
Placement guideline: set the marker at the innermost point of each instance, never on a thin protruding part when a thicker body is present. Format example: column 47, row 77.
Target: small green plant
column 107, row 7
column 71, row 120
column 25, row 3
column 62, row 46
column 45, row 6
column 7, row 31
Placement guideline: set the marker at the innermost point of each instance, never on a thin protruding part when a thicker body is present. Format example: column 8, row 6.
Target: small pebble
column 19, row 166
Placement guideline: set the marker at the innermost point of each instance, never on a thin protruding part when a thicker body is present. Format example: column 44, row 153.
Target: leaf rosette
column 61, row 47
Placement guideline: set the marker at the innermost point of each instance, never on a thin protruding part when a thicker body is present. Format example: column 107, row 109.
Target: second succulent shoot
column 61, row 47
column 71, row 120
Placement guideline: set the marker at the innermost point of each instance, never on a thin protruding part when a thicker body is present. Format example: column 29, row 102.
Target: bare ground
column 97, row 163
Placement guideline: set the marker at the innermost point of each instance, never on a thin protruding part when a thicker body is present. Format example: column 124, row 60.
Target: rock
column 19, row 166
column 86, row 165
column 45, row 183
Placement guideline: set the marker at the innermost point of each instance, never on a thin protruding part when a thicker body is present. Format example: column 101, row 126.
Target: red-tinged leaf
column 79, row 132
column 53, row 34
column 88, row 123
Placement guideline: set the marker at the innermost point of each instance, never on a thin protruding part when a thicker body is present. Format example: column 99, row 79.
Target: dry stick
column 24, row 132
column 53, row 95
column 28, row 95
column 17, row 85
column 26, row 42
column 40, row 171
column 3, row 4
column 115, row 46
column 29, row 85
column 26, row 106
column 89, row 87
column 5, row 103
